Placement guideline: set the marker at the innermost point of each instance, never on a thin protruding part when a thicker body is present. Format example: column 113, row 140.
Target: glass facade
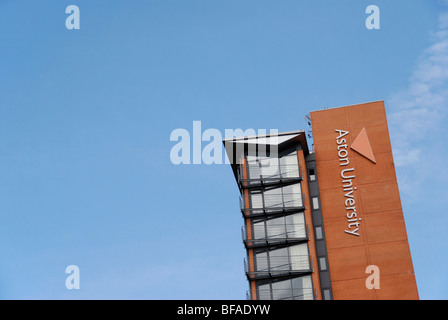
column 278, row 263
column 277, row 197
column 282, row 227
column 299, row 288
column 282, row 259
column 262, row 171
column 260, row 168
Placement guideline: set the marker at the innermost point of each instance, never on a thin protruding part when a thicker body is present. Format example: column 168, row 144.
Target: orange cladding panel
column 361, row 206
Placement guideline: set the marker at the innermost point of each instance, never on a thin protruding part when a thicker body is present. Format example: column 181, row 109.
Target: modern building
column 326, row 222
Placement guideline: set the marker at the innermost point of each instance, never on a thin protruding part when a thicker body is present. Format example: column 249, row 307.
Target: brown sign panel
column 361, row 207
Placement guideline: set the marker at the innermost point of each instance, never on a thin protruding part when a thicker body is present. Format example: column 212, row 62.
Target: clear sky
column 86, row 117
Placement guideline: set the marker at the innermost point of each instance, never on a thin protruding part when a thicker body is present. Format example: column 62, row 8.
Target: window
column 269, row 167
column 302, row 288
column 292, row 258
column 323, row 264
column 319, row 233
column 292, row 195
column 289, row 196
column 327, row 295
column 264, row 292
column 312, row 175
column 299, row 288
column 295, row 225
column 280, row 227
column 259, row 229
column 261, row 262
column 315, row 203
column 279, row 260
column 273, row 197
column 256, row 199
column 289, row 165
column 260, row 167
column 282, row 290
column 299, row 257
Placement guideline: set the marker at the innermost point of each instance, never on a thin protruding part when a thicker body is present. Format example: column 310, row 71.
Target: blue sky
column 86, row 117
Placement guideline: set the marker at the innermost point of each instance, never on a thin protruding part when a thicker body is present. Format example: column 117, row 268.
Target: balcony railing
column 256, row 175
column 277, row 266
column 258, row 236
column 282, row 294
column 256, row 205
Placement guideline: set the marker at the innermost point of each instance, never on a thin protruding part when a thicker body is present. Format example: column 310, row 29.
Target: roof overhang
column 235, row 147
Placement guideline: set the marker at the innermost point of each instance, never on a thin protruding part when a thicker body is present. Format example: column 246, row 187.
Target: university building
column 323, row 222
